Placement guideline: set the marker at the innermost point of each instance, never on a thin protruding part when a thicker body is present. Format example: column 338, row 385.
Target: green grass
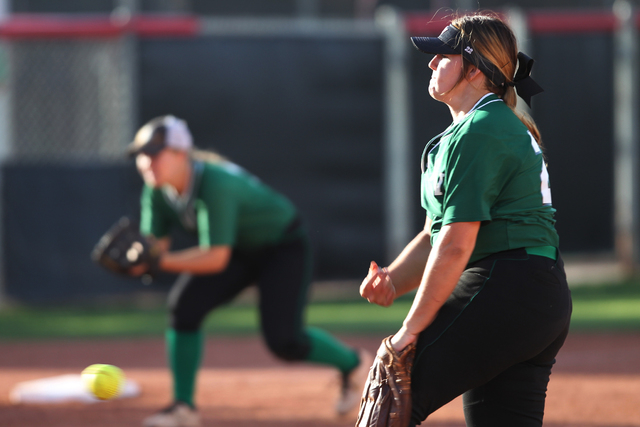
column 606, row 307
column 237, row 319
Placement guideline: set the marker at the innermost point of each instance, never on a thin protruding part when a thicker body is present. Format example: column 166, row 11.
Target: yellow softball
column 103, row 381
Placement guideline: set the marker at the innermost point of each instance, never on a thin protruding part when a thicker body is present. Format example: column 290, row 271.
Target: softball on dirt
column 103, row 381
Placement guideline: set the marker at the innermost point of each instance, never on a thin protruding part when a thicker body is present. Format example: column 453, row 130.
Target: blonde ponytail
column 495, row 42
column 511, row 99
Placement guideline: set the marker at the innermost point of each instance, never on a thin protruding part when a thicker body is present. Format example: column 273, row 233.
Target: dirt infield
column 596, row 383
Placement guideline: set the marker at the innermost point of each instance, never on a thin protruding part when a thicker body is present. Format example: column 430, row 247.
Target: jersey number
column 437, row 189
column 544, row 175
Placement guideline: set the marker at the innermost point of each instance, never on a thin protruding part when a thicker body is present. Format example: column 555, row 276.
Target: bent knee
column 290, row 350
column 185, row 321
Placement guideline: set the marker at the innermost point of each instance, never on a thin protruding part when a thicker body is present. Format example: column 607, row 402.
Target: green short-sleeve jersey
column 488, row 167
column 225, row 205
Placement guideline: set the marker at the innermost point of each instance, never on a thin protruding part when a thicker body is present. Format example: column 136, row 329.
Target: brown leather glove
column 386, row 399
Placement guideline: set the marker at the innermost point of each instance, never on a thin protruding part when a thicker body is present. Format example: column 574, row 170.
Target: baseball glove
column 123, row 247
column 386, row 399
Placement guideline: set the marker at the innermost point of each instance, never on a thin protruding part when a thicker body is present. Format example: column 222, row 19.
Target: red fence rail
column 61, row 26
column 418, row 23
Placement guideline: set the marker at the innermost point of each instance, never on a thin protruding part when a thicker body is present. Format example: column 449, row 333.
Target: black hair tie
column 525, row 86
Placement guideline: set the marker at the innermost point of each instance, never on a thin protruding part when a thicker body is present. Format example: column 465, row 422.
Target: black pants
column 495, row 341
column 282, row 275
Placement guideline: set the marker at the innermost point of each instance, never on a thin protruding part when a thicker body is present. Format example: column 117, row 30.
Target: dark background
column 306, row 116
column 324, row 8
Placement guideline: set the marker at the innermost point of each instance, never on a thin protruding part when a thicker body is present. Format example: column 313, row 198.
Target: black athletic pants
column 282, row 275
column 495, row 341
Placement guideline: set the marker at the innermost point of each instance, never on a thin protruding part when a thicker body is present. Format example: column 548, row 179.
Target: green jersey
column 487, row 167
column 224, row 205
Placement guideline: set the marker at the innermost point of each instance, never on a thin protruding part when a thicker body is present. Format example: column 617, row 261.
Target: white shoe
column 353, row 384
column 177, row 415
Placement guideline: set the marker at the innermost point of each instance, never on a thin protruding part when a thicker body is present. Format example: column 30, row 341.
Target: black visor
column 447, row 43
column 451, row 42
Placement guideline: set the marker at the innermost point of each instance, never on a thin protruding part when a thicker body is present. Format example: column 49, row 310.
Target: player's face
column 143, row 163
column 157, row 170
column 446, row 74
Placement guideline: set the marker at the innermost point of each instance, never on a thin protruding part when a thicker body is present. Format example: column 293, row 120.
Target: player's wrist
column 403, row 338
column 386, row 272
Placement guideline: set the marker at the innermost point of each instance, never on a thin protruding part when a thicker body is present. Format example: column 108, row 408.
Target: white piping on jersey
column 476, row 106
column 183, row 204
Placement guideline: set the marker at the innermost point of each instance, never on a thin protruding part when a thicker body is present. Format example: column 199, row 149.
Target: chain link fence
column 69, row 99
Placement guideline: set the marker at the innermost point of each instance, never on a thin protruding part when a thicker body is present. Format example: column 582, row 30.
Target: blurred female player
column 492, row 307
column 247, row 234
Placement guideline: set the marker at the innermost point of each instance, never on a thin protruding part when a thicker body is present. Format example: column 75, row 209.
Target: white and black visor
column 160, row 133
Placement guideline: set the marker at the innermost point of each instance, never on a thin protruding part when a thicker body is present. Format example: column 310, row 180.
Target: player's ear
column 474, row 73
column 477, row 78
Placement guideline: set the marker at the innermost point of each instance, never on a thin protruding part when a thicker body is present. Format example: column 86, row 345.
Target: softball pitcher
column 492, row 307
column 247, row 234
